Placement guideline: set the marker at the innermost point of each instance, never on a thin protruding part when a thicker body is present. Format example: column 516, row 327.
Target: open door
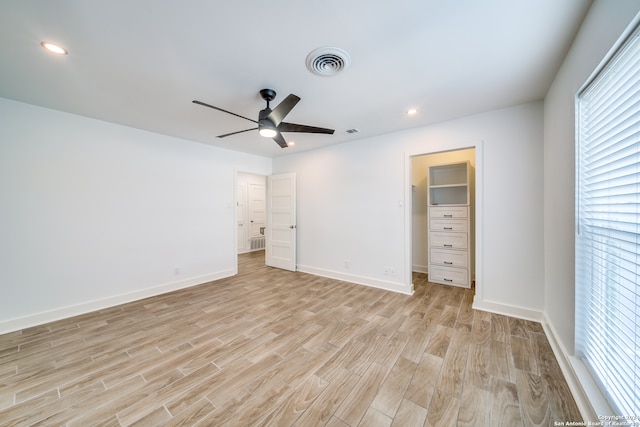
column 281, row 221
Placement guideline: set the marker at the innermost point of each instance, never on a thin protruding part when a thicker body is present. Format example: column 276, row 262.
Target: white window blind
column 608, row 228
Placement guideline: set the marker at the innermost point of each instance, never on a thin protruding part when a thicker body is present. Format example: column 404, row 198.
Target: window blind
column 608, row 228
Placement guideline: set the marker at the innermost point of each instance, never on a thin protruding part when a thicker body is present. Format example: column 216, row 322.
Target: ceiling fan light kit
column 270, row 122
column 267, row 132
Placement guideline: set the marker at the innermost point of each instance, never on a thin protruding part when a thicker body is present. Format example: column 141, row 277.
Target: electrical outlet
column 347, row 264
column 392, row 271
column 176, row 271
column 386, row 270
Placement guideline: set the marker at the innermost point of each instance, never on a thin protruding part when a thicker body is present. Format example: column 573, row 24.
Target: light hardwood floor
column 272, row 347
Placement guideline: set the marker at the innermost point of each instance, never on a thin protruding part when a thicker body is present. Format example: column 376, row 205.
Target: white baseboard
column 359, row 280
column 420, row 268
column 508, row 310
column 17, row 324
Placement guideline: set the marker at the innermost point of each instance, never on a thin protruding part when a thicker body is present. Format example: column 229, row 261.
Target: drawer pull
column 448, row 280
column 448, row 246
column 448, row 216
column 448, row 228
column 448, row 262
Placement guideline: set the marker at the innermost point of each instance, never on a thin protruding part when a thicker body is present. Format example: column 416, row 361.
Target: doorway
column 250, row 212
column 416, row 217
column 266, row 218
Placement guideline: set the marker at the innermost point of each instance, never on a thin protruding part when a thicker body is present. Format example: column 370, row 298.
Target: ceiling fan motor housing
column 263, row 120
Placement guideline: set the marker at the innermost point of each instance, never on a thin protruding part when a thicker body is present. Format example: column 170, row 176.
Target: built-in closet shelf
column 448, row 186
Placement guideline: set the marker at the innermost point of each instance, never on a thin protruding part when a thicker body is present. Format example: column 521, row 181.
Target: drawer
column 449, row 240
column 449, row 275
column 447, row 257
column 461, row 225
column 449, row 212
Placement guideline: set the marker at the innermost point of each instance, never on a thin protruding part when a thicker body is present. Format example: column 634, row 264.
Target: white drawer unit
column 449, row 275
column 448, row 240
column 449, row 224
column 448, row 258
column 460, row 225
column 445, row 212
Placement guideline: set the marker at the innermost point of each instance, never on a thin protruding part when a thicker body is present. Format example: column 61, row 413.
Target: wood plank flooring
column 271, row 347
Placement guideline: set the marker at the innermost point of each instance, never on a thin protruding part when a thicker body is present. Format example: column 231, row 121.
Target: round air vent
column 328, row 61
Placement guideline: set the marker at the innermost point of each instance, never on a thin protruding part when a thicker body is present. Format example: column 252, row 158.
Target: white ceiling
column 140, row 63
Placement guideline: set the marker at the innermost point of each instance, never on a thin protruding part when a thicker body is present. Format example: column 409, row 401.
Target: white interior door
column 257, row 216
column 281, row 221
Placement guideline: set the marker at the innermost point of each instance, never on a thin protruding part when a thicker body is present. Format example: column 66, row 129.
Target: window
column 608, row 228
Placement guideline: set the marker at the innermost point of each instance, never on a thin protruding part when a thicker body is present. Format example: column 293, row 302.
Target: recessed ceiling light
column 412, row 111
column 54, row 48
column 290, row 143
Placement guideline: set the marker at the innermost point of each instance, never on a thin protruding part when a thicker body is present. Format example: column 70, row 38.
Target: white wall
column 603, row 25
column 351, row 224
column 94, row 214
column 600, row 31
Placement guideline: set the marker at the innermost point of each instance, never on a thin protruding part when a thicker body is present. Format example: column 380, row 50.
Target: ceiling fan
column 270, row 122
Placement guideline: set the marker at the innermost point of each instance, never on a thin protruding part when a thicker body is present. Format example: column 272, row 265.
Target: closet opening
column 444, row 248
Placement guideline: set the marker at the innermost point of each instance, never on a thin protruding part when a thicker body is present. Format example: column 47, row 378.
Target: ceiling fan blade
column 279, row 113
column 224, row 111
column 279, row 139
column 233, row 133
column 293, row 127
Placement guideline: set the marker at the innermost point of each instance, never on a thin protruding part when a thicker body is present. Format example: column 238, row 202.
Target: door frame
column 234, row 207
column 248, row 208
column 479, row 212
